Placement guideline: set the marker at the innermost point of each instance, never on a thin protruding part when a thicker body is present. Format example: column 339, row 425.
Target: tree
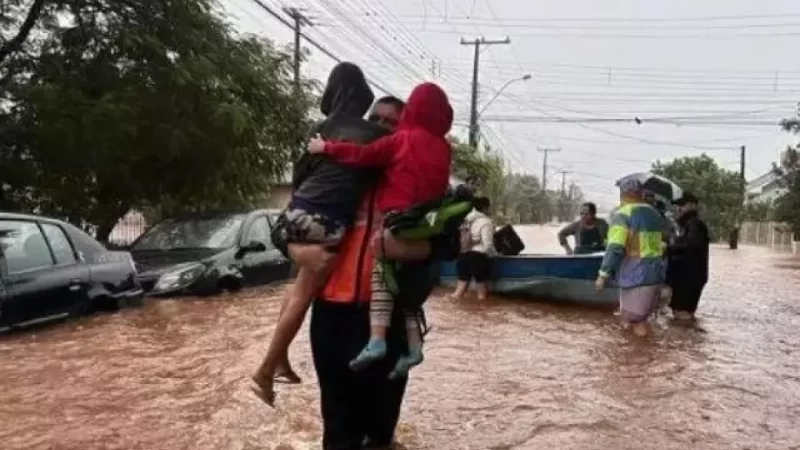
column 483, row 169
column 719, row 189
column 9, row 12
column 131, row 104
column 759, row 211
column 787, row 206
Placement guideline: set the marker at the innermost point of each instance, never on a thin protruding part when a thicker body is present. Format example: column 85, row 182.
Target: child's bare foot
column 286, row 374
column 264, row 389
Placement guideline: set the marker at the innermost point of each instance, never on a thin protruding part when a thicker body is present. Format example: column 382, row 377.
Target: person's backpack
column 465, row 238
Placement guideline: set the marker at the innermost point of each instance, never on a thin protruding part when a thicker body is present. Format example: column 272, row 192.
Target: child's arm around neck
column 380, row 153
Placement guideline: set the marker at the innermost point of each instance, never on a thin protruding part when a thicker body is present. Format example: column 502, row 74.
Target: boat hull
column 545, row 277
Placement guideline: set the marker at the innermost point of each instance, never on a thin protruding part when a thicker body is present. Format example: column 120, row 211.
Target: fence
column 130, row 227
column 769, row 234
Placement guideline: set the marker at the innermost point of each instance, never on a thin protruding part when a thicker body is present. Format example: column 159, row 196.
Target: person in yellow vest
column 634, row 256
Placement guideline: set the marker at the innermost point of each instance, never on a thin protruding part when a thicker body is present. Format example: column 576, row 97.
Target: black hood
column 347, row 92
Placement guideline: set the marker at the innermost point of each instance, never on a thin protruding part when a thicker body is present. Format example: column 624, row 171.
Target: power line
column 709, row 36
column 638, row 121
column 620, row 19
column 311, row 41
column 491, row 23
column 656, row 70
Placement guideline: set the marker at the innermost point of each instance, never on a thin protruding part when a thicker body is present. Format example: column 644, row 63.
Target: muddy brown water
column 501, row 374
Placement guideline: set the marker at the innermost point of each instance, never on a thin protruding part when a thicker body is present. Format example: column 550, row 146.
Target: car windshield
column 192, row 233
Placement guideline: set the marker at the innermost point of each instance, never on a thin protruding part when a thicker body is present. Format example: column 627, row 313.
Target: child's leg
column 380, row 316
column 284, row 371
column 414, row 356
column 312, row 256
column 390, row 247
column 295, row 308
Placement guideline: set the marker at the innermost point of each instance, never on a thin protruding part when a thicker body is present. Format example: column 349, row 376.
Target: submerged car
column 50, row 269
column 205, row 253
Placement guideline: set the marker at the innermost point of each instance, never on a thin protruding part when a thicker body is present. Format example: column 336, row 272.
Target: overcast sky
column 704, row 76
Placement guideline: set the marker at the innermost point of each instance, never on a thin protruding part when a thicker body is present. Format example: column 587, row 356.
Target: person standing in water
column 634, row 256
column 477, row 244
column 325, row 199
column 417, row 161
column 589, row 232
column 687, row 273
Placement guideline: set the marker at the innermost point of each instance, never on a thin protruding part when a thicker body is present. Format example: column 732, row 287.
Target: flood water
column 498, row 375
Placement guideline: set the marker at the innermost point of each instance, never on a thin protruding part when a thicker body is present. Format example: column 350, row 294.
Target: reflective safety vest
column 634, row 252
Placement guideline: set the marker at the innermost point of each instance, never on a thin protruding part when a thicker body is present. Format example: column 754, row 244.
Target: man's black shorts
column 474, row 265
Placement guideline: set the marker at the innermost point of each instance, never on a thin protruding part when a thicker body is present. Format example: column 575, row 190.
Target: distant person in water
column 634, row 256
column 589, row 232
column 477, row 249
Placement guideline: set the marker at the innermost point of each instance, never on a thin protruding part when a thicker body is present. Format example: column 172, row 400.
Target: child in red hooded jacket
column 416, row 159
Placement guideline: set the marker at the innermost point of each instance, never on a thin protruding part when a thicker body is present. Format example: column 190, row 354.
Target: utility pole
column 299, row 20
column 742, row 163
column 563, row 181
column 473, row 111
column 733, row 239
column 546, row 151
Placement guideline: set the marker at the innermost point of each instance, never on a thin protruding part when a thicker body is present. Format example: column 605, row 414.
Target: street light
column 525, row 77
column 473, row 123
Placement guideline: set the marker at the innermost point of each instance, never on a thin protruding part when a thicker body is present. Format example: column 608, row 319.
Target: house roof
column 762, row 181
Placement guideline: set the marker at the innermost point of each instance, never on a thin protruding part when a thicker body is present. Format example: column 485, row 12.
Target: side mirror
column 252, row 247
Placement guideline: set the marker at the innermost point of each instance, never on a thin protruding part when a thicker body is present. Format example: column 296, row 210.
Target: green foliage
column 787, row 207
column 483, row 169
column 516, row 198
column 759, row 211
column 524, row 201
column 719, row 189
column 134, row 104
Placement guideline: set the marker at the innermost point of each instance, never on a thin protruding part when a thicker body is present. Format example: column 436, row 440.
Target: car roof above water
column 19, row 216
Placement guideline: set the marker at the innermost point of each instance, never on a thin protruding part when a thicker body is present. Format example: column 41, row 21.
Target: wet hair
column 591, row 207
column 482, row 204
column 393, row 101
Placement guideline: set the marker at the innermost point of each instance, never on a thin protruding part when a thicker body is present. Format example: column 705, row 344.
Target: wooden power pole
column 473, row 108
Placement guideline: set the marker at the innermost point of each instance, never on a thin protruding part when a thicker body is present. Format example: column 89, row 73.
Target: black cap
column 687, row 197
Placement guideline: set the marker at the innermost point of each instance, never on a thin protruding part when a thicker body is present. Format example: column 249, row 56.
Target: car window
column 193, row 232
column 59, row 243
column 24, row 246
column 259, row 232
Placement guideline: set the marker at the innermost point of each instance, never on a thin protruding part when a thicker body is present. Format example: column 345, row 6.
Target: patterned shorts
column 305, row 227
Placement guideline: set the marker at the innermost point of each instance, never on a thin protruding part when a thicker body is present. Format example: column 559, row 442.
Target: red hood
column 428, row 108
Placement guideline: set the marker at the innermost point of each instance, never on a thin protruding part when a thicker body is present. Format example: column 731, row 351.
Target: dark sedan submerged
column 206, row 253
column 50, row 269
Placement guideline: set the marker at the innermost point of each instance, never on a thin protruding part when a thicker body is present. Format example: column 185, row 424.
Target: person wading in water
column 325, row 198
column 687, row 273
column 635, row 256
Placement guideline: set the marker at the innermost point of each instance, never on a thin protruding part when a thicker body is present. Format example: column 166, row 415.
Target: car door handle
column 75, row 284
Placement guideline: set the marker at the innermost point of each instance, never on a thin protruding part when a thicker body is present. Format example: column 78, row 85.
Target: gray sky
column 721, row 69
